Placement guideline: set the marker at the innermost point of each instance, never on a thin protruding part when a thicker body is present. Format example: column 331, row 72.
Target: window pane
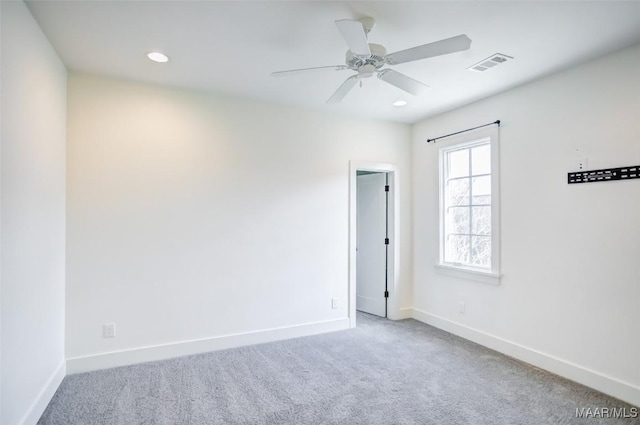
column 467, row 211
column 481, row 251
column 458, row 192
column 481, row 222
column 458, row 163
column 457, row 249
column 481, row 160
column 458, row 220
column 481, row 190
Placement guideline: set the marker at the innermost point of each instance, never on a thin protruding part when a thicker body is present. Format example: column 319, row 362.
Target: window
column 468, row 212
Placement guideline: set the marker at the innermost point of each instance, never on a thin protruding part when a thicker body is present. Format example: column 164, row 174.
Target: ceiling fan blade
column 437, row 48
column 353, row 33
column 343, row 89
column 334, row 67
column 402, row 82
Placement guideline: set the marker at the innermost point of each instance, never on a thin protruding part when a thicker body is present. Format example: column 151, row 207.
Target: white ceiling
column 231, row 47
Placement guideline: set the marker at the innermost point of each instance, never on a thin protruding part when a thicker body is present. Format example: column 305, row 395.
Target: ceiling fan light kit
column 368, row 59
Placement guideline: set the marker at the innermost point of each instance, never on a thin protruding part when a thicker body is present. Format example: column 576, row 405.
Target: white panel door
column 371, row 232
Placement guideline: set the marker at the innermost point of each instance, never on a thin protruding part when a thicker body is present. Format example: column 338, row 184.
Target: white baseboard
column 614, row 387
column 44, row 397
column 185, row 348
column 403, row 313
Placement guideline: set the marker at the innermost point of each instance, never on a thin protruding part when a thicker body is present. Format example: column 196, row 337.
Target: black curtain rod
column 497, row 122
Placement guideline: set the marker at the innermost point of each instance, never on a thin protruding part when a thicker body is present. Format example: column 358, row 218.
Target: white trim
column 44, row 397
column 404, row 313
column 197, row 346
column 393, row 310
column 614, row 387
column 470, row 274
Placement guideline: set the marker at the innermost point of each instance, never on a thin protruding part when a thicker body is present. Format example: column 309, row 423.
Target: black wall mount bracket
column 604, row 175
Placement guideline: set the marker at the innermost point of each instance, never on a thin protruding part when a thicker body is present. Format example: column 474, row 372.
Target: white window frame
column 485, row 275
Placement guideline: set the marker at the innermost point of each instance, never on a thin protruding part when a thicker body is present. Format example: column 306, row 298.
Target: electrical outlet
column 109, row 330
column 334, row 303
column 580, row 163
column 462, row 308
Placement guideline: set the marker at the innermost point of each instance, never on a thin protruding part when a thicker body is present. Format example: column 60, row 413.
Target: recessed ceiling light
column 400, row 103
column 158, row 57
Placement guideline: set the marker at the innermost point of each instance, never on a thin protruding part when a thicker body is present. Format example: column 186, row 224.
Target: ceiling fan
column 368, row 59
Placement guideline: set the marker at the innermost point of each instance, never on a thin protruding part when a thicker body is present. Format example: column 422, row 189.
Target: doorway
column 373, row 220
column 372, row 242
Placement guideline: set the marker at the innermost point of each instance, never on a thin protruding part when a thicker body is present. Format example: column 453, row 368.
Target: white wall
column 193, row 216
column 570, row 253
column 33, row 89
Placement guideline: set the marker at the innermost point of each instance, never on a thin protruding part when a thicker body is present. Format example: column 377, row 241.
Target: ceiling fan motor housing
column 376, row 59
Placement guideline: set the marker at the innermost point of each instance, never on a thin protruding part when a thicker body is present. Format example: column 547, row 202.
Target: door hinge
column 386, row 294
column 386, row 188
column 386, row 241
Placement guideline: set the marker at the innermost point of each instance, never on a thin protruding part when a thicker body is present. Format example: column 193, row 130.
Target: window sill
column 470, row 274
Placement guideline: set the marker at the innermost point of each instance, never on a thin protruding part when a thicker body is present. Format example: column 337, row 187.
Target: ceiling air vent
column 490, row 62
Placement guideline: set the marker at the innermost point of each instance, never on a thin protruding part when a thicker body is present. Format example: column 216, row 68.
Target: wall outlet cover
column 580, row 163
column 109, row 330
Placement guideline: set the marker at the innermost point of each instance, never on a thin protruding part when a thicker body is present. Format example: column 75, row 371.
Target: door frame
column 393, row 218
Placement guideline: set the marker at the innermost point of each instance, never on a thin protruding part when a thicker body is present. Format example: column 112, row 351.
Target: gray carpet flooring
column 381, row 372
